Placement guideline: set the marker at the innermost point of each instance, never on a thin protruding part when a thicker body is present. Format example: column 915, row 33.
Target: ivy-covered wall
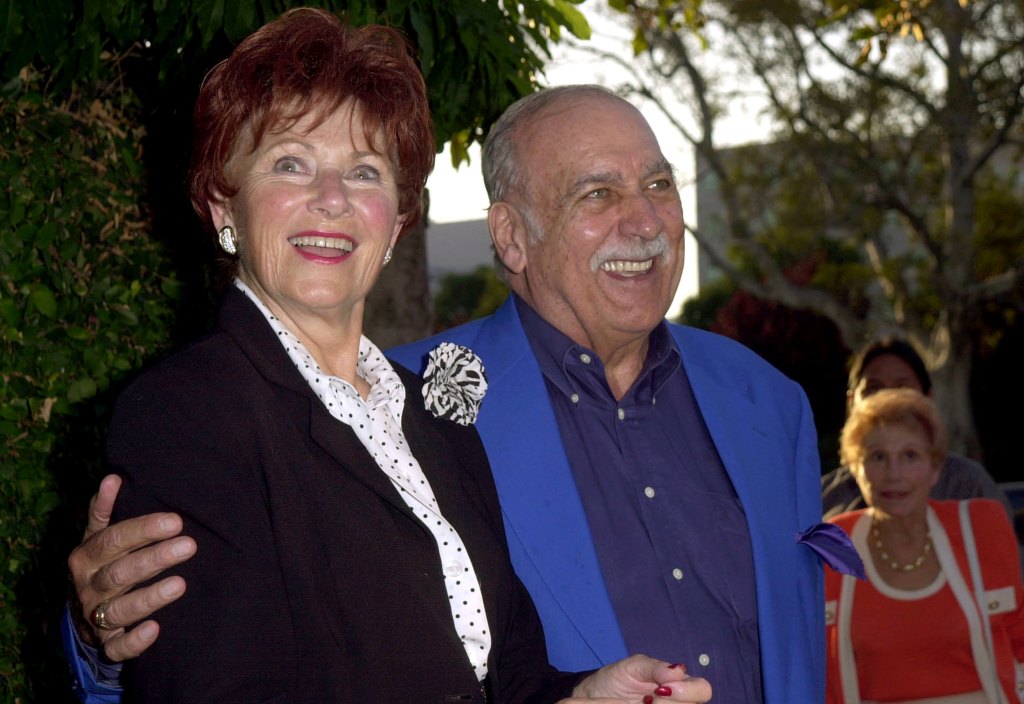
column 86, row 296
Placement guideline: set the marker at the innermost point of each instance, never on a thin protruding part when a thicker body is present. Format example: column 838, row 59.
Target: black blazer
column 313, row 581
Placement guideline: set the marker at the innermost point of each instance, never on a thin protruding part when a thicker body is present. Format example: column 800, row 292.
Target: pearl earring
column 387, row 256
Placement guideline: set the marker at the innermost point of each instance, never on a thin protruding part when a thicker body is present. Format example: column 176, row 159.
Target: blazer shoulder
column 413, row 355
column 718, row 349
column 211, row 362
column 725, row 359
column 988, row 518
column 981, row 509
column 988, row 513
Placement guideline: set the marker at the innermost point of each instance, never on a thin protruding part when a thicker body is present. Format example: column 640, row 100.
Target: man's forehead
column 576, row 117
column 590, row 141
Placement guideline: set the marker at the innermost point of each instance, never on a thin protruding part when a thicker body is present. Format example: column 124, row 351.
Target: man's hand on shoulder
column 109, row 564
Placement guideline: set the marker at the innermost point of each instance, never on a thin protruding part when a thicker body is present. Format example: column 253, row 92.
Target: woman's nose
column 330, row 194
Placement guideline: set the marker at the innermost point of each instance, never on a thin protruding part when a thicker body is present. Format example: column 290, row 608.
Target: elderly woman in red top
column 940, row 618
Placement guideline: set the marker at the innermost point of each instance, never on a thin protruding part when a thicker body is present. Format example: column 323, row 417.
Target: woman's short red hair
column 309, row 62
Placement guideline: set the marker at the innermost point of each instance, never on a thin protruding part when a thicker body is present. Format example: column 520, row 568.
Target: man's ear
column 509, row 235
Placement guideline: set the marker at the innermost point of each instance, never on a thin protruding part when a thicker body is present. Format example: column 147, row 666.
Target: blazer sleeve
column 84, row 666
column 193, row 452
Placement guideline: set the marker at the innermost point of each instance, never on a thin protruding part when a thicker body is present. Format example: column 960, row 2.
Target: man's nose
column 642, row 218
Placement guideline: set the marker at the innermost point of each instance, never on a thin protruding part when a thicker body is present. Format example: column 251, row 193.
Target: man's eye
column 598, row 194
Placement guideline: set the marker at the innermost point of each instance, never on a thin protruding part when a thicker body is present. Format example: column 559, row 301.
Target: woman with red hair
column 349, row 542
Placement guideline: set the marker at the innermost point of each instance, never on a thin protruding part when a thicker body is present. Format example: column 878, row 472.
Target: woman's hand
column 641, row 680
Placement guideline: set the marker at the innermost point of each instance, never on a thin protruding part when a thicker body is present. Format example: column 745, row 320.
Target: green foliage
column 701, row 310
column 465, row 297
column 85, row 297
column 803, row 346
column 999, row 234
column 476, row 57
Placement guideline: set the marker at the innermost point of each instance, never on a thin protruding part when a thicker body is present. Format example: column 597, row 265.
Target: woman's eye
column 289, row 164
column 367, row 173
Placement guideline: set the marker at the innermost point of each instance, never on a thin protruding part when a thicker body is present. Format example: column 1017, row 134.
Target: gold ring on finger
column 99, row 617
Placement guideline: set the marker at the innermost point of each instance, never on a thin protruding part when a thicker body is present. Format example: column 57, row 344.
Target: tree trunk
column 951, row 381
column 399, row 309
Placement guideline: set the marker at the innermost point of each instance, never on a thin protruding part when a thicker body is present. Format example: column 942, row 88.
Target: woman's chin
column 900, row 508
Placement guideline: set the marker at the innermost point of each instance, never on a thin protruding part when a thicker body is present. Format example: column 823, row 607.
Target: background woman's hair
column 887, row 408
column 897, row 347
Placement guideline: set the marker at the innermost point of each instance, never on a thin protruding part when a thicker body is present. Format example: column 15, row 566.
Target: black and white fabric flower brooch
column 454, row 383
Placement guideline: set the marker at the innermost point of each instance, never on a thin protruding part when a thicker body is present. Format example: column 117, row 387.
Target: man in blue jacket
column 659, row 484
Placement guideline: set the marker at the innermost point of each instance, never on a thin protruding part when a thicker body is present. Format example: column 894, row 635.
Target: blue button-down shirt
column 671, row 536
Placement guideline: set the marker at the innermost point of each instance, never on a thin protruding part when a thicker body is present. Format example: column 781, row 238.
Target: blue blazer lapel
column 779, row 500
column 548, row 535
column 734, row 424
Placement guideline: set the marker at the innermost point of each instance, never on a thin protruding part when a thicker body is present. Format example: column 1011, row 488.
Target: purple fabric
column 833, row 545
column 661, row 510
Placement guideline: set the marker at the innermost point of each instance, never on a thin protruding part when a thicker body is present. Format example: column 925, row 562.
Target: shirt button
column 621, row 414
column 454, row 569
column 575, row 398
column 704, row 659
column 649, row 493
column 585, row 358
column 677, row 573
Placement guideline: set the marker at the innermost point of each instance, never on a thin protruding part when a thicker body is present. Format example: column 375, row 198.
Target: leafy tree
column 100, row 257
column 465, row 297
column 893, row 163
column 800, row 343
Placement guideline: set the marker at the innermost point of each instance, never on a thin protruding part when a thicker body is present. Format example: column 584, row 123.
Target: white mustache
column 636, row 250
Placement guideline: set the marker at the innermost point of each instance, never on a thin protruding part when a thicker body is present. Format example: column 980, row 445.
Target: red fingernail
column 678, row 664
column 648, row 699
column 663, row 691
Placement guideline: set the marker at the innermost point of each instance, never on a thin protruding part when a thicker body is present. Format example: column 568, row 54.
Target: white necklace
column 910, row 566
